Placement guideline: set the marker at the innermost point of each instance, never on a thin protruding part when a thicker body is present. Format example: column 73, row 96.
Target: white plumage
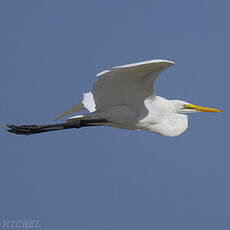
column 124, row 97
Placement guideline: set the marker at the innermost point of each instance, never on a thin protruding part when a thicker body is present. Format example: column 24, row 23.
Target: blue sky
column 106, row 178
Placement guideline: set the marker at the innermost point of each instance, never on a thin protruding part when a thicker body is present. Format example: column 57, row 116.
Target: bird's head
column 185, row 107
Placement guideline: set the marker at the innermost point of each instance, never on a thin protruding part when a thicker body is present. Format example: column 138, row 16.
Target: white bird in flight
column 124, row 97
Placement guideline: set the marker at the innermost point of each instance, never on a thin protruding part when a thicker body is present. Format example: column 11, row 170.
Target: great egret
column 124, row 97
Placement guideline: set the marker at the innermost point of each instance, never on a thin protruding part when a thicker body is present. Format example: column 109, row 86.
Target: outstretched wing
column 126, row 85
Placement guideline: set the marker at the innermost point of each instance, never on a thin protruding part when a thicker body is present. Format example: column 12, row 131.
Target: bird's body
column 159, row 116
column 124, row 97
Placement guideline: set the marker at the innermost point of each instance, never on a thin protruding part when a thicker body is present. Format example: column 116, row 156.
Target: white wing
column 128, row 84
column 123, row 85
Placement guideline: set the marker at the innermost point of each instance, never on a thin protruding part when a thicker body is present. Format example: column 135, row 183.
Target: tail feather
column 75, row 108
column 87, row 102
column 33, row 129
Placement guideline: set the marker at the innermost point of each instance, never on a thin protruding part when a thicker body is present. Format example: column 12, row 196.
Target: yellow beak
column 200, row 108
